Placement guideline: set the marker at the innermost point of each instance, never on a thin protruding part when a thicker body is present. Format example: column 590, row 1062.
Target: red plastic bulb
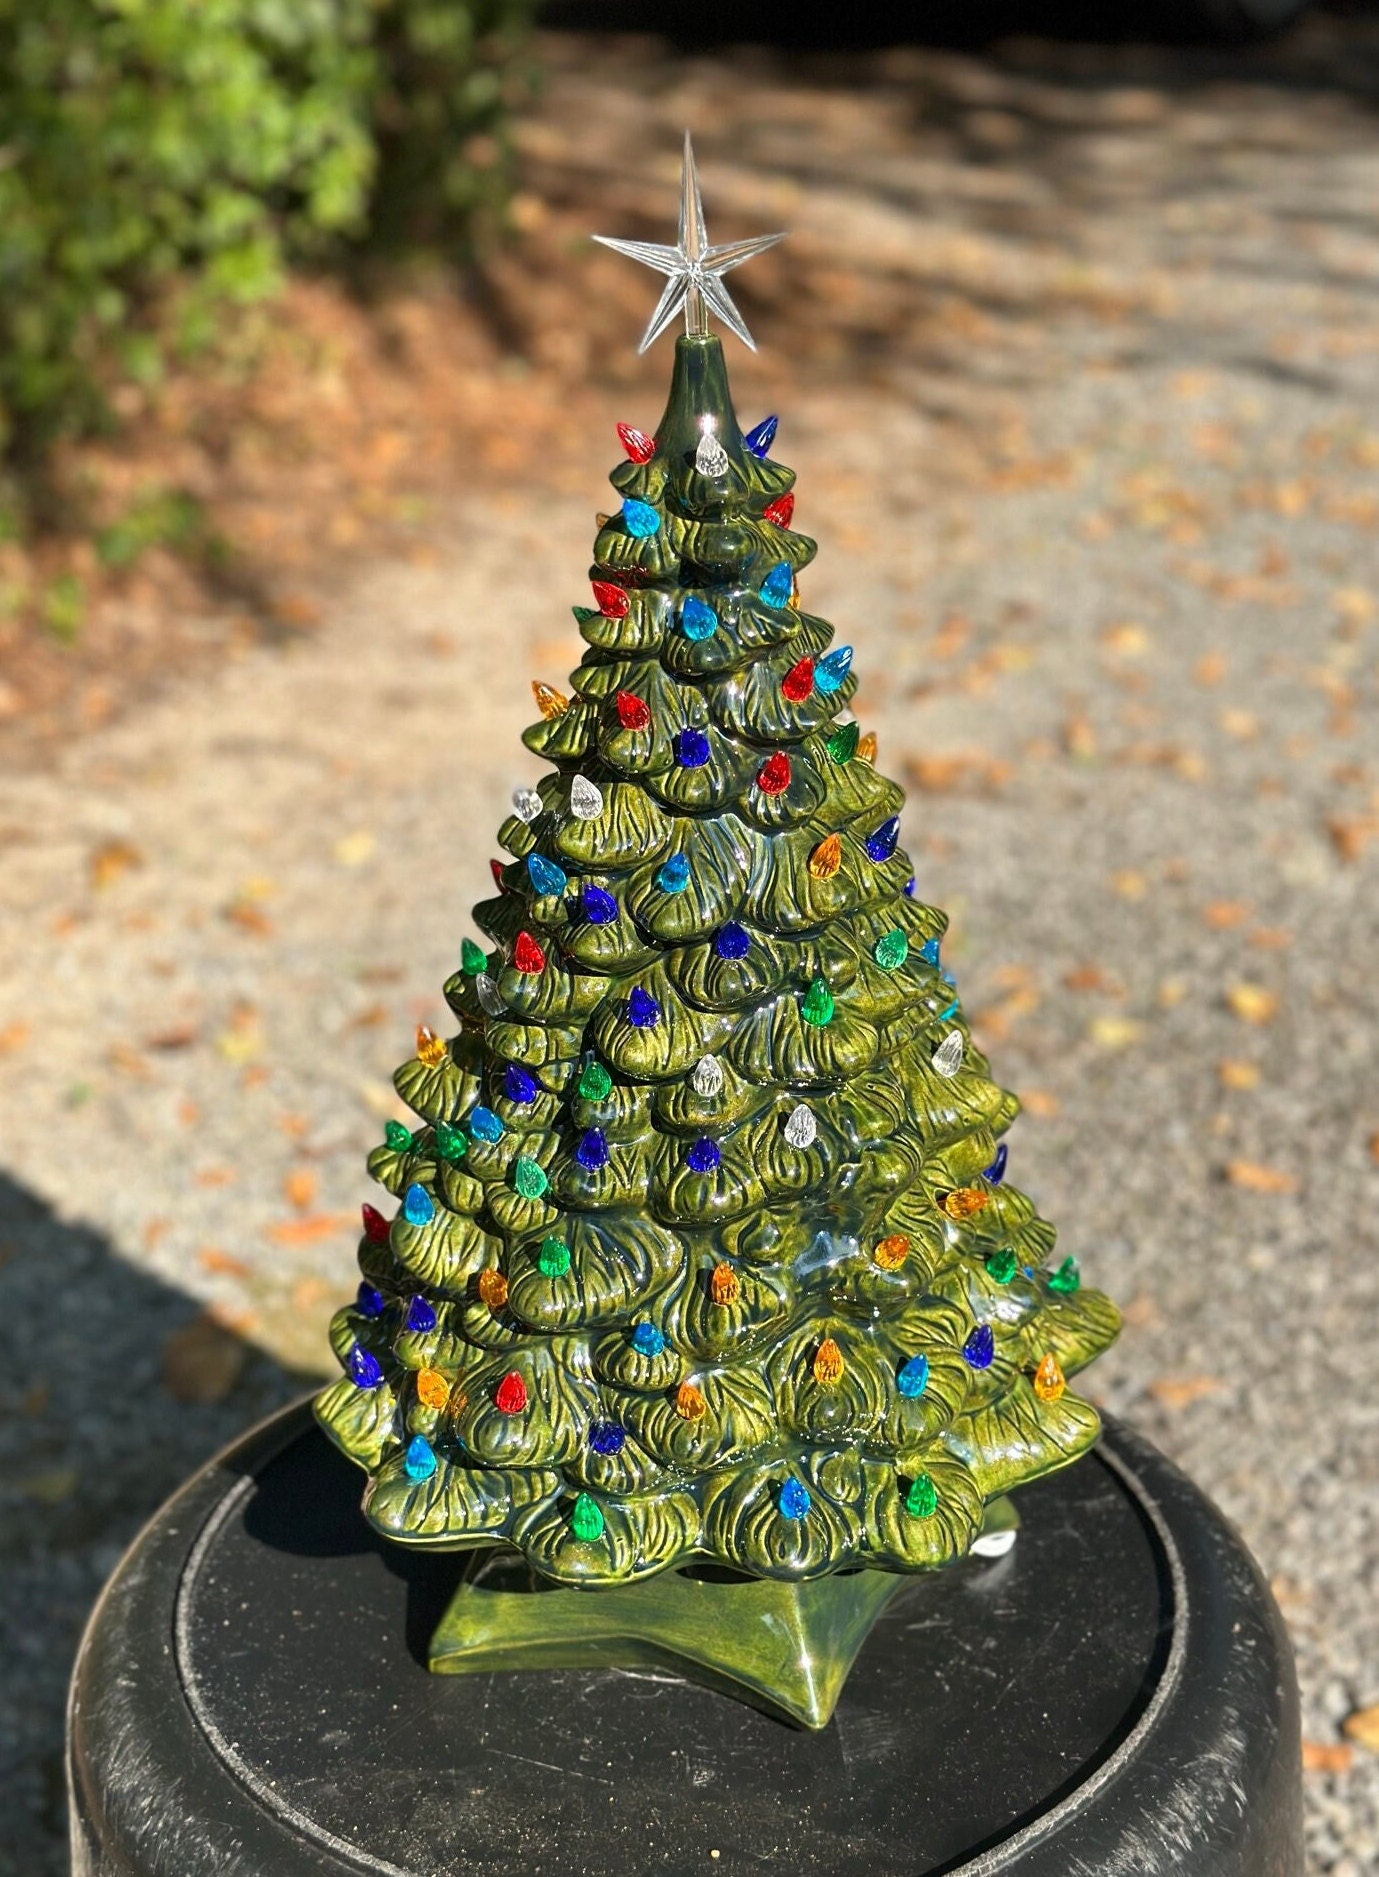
column 798, row 682
column 779, row 511
column 376, row 1227
column 634, row 713
column 495, row 867
column 612, row 599
column 527, row 955
column 773, row 777
column 510, row 1396
column 640, row 447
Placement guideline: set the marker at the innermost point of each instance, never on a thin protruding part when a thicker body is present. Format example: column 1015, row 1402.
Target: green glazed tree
column 704, row 1248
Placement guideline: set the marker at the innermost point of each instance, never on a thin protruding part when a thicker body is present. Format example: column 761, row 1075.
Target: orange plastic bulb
column 690, row 1404
column 433, row 1391
column 493, row 1289
column 892, row 1252
column 1050, row 1383
column 827, row 857
column 866, row 747
column 549, row 701
column 430, row 1047
column 724, row 1287
column 964, row 1202
column 828, row 1363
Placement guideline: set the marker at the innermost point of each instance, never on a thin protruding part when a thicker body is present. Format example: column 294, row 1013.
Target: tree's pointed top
column 700, row 400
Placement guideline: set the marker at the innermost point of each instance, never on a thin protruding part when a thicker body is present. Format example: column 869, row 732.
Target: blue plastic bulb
column 881, row 841
column 929, row 951
column 704, row 1156
column 643, row 1012
column 732, row 941
column 546, row 878
column 364, row 1370
column 592, row 1152
column 420, row 1462
column 484, row 1125
column 980, row 1348
column 830, row 672
column 607, row 1438
column 913, row 1378
column 760, row 438
column 640, row 518
column 794, row 1500
column 777, row 587
column 369, row 1302
column 518, row 1086
column 599, row 907
column 691, row 748
column 420, row 1316
column 674, row 875
column 647, row 1340
column 996, row 1172
column 698, row 620
column 418, row 1207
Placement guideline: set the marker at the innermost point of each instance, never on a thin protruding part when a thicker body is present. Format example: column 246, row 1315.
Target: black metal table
column 1115, row 1696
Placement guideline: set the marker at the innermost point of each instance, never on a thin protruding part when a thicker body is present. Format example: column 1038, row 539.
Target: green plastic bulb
column 817, row 1007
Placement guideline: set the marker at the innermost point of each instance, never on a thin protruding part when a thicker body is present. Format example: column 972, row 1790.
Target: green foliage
column 152, row 145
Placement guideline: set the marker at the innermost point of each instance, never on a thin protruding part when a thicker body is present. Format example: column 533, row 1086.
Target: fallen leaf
column 1252, row 1003
column 1210, row 668
column 1354, row 604
column 188, row 1112
column 1350, row 838
column 1326, row 1757
column 182, row 1037
column 309, row 1291
column 296, row 609
column 369, row 1017
column 1255, row 1178
column 221, row 1264
column 202, row 1361
column 1236, row 1074
column 1112, row 1032
column 128, row 1061
column 1222, row 915
column 1079, row 738
column 1127, row 640
column 309, row 1230
column 249, row 918
column 1241, row 724
column 295, row 1126
column 300, row 1187
column 13, row 1037
column 1363, row 1726
column 53, row 1485
column 1180, row 1391
column 1090, row 978
column 216, row 1176
column 111, row 860
column 1271, row 938
column 1041, row 1102
column 1130, row 884
column 243, row 1040
column 1374, row 1146
column 352, row 850
column 1172, row 992
column 1142, row 1312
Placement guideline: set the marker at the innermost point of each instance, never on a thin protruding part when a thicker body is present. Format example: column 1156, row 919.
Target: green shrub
column 200, row 145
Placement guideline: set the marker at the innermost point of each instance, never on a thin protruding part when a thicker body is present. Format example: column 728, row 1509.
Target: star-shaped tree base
column 783, row 1647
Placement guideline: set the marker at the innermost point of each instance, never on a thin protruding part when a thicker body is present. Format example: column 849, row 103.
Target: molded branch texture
column 703, row 1245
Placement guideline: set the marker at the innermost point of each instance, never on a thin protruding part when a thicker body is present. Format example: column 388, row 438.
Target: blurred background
column 308, row 377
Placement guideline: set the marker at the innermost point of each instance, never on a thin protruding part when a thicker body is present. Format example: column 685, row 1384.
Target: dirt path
column 1093, row 462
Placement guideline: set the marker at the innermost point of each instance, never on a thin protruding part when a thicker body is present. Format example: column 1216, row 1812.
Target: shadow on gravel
column 91, row 1441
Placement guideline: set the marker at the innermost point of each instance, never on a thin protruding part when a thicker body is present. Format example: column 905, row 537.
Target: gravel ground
column 1106, row 545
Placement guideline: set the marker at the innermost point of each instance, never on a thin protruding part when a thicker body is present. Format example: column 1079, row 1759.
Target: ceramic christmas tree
column 704, row 1253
